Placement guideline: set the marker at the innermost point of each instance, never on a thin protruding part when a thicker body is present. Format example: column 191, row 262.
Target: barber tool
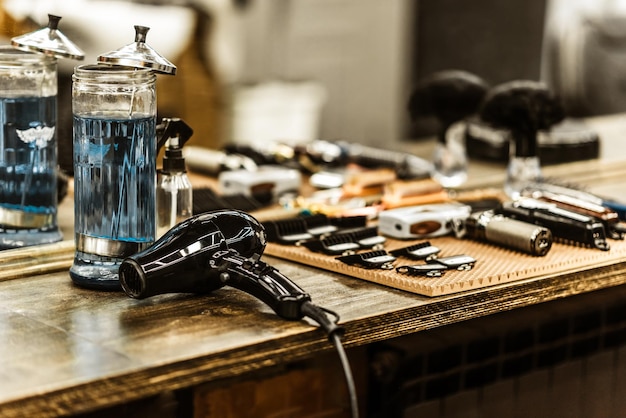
column 522, row 107
column 223, row 248
column 328, row 179
column 341, row 153
column 206, row 199
column 518, row 235
column 420, row 251
column 377, row 259
column 334, row 203
column 174, row 193
column 576, row 202
column 422, row 220
column 367, row 182
column 618, row 206
column 436, row 267
column 402, row 193
column 427, row 270
column 287, row 231
column 347, row 242
column 570, row 227
column 266, row 154
column 266, row 183
column 206, row 252
column 343, row 222
column 293, row 230
column 459, row 262
column 319, row 224
column 332, row 245
column 213, row 162
column 450, row 96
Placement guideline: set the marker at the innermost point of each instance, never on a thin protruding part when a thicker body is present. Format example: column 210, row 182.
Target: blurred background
column 295, row 70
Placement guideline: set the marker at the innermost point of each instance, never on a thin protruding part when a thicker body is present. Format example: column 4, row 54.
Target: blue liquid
column 28, row 177
column 114, row 191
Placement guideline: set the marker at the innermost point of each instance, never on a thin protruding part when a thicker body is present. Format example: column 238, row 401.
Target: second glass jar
column 115, row 148
column 28, row 149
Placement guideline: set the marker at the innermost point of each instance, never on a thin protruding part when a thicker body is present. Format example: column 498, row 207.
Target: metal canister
column 510, row 233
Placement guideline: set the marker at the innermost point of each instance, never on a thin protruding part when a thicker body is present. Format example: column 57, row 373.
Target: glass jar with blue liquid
column 114, row 119
column 28, row 150
column 114, row 110
column 28, row 140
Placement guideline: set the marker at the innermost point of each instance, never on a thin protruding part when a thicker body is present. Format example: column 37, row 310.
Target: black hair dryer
column 209, row 251
column 219, row 248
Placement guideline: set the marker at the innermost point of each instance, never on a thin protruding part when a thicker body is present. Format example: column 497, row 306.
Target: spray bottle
column 174, row 193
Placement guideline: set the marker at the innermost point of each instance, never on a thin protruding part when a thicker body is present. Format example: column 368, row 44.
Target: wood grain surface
column 67, row 350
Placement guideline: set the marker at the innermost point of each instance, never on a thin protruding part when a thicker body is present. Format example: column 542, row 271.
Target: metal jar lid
column 48, row 41
column 139, row 54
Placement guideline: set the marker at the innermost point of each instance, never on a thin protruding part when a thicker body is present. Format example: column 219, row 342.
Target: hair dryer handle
column 261, row 281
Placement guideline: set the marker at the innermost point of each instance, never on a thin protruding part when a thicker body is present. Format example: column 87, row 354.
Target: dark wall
column 494, row 39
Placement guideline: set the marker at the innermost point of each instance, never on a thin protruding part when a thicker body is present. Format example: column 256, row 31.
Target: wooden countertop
column 66, row 350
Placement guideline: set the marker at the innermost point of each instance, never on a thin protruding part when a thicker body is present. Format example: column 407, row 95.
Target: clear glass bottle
column 28, row 149
column 174, row 200
column 115, row 147
column 524, row 166
column 450, row 157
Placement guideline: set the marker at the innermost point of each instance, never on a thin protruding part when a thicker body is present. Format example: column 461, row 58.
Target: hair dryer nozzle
column 134, row 283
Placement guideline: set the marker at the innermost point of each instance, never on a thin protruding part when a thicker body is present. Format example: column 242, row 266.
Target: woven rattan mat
column 494, row 265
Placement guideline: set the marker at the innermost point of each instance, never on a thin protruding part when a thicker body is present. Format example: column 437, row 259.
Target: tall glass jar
column 28, row 149
column 115, row 147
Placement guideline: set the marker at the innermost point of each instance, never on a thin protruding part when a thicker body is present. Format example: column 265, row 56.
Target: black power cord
column 335, row 333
